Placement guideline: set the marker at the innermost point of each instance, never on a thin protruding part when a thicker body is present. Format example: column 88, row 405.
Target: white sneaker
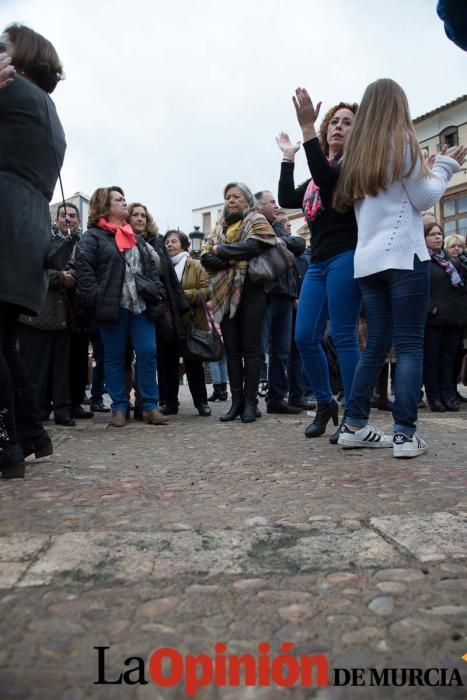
column 369, row 436
column 403, row 446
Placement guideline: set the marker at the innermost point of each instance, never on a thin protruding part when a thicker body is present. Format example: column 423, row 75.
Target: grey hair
column 246, row 192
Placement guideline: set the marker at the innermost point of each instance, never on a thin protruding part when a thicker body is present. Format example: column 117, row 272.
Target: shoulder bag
column 270, row 264
column 205, row 346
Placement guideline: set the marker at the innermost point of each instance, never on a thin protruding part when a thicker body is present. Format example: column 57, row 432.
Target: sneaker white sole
column 362, row 443
column 407, row 454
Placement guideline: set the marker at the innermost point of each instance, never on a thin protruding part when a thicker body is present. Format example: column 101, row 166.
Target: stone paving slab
column 433, row 538
column 198, row 532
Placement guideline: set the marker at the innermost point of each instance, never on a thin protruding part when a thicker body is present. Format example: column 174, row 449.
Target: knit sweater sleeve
column 423, row 192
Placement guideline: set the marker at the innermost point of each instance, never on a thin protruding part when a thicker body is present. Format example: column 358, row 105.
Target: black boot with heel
column 324, row 413
column 12, row 464
column 252, row 371
column 235, row 367
column 31, row 435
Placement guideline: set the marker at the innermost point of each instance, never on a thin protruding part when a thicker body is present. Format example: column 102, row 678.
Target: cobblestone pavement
column 201, row 532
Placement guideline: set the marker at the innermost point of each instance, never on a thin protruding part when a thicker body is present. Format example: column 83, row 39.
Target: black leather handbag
column 205, row 346
column 270, row 264
column 147, row 288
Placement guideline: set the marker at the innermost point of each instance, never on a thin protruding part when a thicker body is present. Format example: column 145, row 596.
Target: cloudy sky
column 171, row 99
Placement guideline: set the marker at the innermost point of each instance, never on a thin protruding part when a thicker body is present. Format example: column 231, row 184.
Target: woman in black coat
column 32, row 148
column 446, row 316
column 110, row 264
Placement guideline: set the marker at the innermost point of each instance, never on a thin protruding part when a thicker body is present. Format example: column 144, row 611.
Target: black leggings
column 13, row 373
column 242, row 339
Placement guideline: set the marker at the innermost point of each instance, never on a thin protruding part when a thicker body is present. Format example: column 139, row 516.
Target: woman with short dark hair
column 447, row 314
column 32, row 148
column 194, row 282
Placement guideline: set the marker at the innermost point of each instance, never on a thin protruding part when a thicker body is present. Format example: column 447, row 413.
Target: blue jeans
column 329, row 290
column 275, row 339
column 396, row 304
column 141, row 331
column 299, row 385
column 219, row 370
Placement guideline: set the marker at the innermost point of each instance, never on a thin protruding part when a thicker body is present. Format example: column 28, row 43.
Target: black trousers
column 439, row 356
column 168, row 355
column 78, row 369
column 46, row 356
column 242, row 340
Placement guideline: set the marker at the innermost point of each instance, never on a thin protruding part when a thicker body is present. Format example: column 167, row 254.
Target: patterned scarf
column 441, row 259
column 124, row 237
column 312, row 202
column 226, row 286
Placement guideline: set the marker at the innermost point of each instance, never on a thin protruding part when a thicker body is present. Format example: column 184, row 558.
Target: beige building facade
column 448, row 125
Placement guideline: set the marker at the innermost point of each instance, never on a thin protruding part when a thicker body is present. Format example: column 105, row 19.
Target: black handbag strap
column 209, row 317
column 56, row 155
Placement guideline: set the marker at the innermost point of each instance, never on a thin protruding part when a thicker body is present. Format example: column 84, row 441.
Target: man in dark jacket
column 68, row 223
column 277, row 328
column 44, row 344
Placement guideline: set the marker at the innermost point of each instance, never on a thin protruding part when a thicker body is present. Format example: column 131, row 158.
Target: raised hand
column 458, row 153
column 307, row 113
column 288, row 148
column 7, row 71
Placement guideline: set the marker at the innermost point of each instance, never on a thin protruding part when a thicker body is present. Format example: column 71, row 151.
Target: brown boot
column 155, row 417
column 118, row 419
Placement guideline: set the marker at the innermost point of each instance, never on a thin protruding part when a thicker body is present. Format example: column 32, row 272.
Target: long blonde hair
column 381, row 133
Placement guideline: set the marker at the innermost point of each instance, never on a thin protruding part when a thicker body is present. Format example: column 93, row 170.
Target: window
column 454, row 214
column 449, row 137
column 207, row 222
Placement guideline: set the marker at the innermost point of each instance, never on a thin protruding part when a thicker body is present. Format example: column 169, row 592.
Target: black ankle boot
column 12, row 464
column 219, row 392
column 235, row 369
column 222, row 391
column 252, row 372
column 236, row 407
column 30, row 432
column 324, row 413
column 249, row 412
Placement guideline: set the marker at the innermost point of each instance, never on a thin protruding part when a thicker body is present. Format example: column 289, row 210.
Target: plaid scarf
column 312, row 202
column 226, row 286
column 442, row 260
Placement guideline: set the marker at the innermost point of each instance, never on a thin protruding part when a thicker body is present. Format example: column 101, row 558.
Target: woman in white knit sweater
column 385, row 178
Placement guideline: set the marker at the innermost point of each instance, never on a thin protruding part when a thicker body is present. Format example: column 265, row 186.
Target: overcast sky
column 172, row 99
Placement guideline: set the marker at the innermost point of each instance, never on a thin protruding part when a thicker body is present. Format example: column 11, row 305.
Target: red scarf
column 124, row 237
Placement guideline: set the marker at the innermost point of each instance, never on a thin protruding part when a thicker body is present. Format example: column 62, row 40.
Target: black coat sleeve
column 86, row 267
column 56, row 279
column 212, row 263
column 244, row 250
column 289, row 196
column 296, row 245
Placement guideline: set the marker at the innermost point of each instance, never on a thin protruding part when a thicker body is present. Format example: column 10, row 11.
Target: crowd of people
column 135, row 295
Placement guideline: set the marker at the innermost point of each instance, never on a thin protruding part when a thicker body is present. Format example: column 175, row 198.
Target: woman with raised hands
column 329, row 290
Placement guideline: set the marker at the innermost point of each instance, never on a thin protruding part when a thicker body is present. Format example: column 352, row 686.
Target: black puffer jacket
column 100, row 268
column 448, row 304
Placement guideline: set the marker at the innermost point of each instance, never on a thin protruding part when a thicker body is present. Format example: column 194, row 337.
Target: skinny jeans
column 396, row 304
column 329, row 290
